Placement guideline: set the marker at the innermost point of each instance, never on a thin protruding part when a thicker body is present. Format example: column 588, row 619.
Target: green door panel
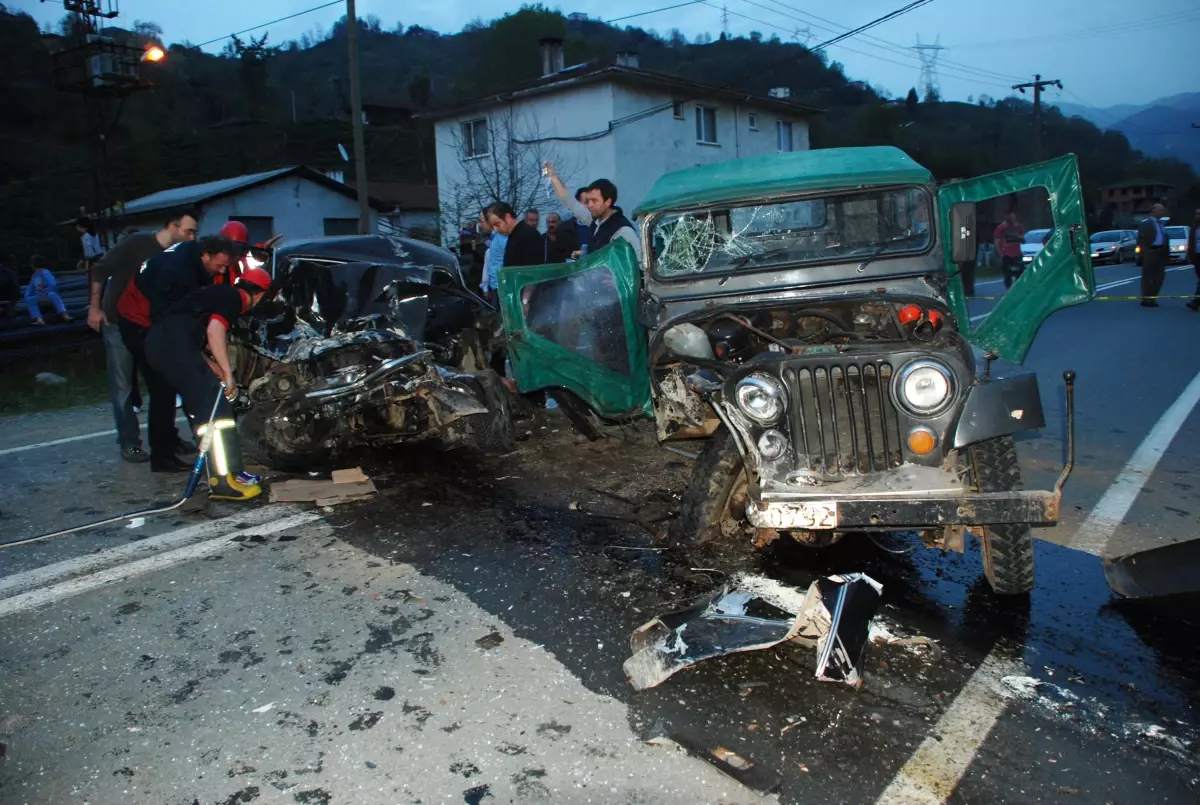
column 574, row 326
column 1060, row 276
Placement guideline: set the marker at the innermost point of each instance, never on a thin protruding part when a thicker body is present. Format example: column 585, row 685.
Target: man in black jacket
column 1156, row 250
column 525, row 246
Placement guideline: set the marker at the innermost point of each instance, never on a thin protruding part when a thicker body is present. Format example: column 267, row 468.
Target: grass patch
column 20, row 393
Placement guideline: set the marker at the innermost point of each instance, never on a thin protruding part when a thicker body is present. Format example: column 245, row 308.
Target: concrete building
column 1129, row 202
column 297, row 202
column 599, row 121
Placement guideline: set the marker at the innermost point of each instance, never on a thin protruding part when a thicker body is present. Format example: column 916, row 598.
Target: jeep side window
column 581, row 312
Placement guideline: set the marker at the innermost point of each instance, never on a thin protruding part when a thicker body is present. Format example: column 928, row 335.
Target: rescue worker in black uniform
column 163, row 280
column 175, row 347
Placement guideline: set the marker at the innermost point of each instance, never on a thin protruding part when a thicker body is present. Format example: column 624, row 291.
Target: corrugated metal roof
column 197, row 193
column 775, row 174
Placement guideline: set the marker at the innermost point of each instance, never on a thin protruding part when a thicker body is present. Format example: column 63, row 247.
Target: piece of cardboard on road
column 345, row 486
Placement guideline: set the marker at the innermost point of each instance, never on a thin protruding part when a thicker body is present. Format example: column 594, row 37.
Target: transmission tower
column 725, row 21
column 929, row 58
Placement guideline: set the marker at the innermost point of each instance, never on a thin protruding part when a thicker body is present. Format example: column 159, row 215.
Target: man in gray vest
column 1156, row 249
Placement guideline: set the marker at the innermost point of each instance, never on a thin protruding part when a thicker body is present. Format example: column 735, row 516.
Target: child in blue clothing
column 43, row 287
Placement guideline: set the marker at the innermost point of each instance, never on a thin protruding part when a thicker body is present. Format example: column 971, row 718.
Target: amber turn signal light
column 921, row 441
column 908, row 314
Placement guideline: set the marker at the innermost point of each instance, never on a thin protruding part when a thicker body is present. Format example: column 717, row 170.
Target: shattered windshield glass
column 749, row 238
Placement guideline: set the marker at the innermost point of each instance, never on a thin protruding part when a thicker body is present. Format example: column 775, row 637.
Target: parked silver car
column 1114, row 245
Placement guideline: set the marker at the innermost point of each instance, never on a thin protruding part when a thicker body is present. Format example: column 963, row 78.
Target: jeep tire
column 708, row 509
column 1007, row 548
column 493, row 432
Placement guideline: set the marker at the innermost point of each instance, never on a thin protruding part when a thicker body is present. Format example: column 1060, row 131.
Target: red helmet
column 235, row 231
column 254, row 280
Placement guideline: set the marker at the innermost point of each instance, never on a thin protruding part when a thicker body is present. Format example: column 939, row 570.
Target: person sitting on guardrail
column 43, row 287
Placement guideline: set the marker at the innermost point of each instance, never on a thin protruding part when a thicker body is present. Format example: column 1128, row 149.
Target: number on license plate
column 813, row 516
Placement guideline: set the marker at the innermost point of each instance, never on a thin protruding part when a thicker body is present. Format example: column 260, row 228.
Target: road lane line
column 57, row 592
column 41, row 576
column 934, row 771
column 1109, row 513
column 67, row 440
column 1099, row 288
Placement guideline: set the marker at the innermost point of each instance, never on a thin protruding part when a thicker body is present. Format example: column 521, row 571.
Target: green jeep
column 804, row 314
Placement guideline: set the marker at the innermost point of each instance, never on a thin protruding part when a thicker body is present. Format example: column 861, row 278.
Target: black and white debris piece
column 751, row 613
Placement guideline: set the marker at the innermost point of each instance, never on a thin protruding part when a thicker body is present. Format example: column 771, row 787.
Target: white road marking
column 932, row 773
column 57, row 592
column 1110, row 511
column 67, row 440
column 41, row 576
column 935, row 769
column 1099, row 288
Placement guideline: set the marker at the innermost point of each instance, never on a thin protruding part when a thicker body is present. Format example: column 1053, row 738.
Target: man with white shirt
column 493, row 258
column 1156, row 250
column 607, row 221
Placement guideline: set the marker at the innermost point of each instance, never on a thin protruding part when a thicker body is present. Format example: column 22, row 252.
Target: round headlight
column 925, row 387
column 760, row 398
column 771, row 445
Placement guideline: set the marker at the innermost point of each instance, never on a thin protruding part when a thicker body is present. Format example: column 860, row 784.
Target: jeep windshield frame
column 831, row 226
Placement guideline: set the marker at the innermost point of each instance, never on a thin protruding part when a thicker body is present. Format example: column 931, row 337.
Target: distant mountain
column 1161, row 128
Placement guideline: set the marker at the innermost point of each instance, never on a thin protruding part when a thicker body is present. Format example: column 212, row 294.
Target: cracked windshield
column 752, row 237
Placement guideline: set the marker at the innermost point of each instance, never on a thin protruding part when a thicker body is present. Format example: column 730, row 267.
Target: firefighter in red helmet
column 175, row 346
column 249, row 255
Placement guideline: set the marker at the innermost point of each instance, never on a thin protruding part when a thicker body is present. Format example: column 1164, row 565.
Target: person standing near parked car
column 1156, row 251
column 1008, row 238
column 110, row 278
column 1193, row 257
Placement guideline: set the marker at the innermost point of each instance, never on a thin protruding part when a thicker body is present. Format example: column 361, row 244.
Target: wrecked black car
column 368, row 340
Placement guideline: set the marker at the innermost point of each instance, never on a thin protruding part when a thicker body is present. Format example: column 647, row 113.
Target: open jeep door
column 574, row 326
column 1060, row 276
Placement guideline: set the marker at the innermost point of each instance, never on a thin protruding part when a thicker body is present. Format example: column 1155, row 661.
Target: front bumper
column 852, row 513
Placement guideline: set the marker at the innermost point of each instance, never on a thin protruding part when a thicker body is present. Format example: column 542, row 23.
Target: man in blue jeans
column 110, row 276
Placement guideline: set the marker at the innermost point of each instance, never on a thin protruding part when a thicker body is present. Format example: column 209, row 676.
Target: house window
column 260, row 227
column 706, row 125
column 677, row 108
column 753, row 120
column 783, row 130
column 475, row 138
column 338, row 227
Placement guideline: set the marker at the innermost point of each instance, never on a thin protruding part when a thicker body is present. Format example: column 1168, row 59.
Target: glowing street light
column 154, row 53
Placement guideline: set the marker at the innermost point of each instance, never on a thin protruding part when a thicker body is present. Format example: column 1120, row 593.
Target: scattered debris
column 344, row 486
column 490, row 641
column 728, row 762
column 49, row 378
column 136, row 522
column 1165, row 575
column 755, row 612
column 264, row 708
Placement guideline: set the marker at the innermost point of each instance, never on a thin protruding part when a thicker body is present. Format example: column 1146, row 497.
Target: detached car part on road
column 371, row 340
column 803, row 313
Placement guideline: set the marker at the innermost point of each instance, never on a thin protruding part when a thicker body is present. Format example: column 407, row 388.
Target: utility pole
column 929, row 58
column 360, row 148
column 1037, row 85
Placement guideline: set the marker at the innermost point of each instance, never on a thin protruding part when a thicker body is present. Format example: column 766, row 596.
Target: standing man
column 1008, row 238
column 525, row 246
column 92, row 250
column 164, row 280
column 493, row 258
column 175, row 349
column 1193, row 256
column 533, row 218
column 1156, row 250
column 110, row 278
column 561, row 241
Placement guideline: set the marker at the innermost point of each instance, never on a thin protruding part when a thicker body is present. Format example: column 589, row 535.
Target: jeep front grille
column 843, row 420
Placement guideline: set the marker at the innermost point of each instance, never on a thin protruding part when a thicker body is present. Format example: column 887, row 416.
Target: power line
column 1134, row 26
column 272, row 22
column 653, row 110
column 651, row 11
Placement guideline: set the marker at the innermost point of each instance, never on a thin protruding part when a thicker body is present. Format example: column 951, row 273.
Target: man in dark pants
column 175, row 349
column 165, row 279
column 1156, row 250
column 1008, row 238
column 1193, row 256
column 110, row 277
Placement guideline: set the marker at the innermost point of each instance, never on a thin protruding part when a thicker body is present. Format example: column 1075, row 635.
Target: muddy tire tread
column 1007, row 549
column 494, row 432
column 713, row 477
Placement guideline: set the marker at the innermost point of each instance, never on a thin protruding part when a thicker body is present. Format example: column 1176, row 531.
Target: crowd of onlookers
column 500, row 238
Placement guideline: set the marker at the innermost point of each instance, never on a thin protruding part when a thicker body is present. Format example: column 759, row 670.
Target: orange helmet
column 255, row 280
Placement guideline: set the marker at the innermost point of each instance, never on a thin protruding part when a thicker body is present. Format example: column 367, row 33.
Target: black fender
column 1000, row 406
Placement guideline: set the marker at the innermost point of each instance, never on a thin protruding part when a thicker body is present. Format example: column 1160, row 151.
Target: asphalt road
column 460, row 637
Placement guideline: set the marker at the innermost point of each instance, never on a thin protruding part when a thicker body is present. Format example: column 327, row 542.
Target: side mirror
column 962, row 232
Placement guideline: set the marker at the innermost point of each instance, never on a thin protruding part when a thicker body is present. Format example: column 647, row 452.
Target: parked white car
column 1034, row 240
column 1178, row 236
column 1114, row 245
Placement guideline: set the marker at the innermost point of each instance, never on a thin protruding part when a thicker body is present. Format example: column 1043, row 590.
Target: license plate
column 811, row 516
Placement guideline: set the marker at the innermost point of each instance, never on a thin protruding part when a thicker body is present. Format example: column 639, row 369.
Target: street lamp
column 154, row 53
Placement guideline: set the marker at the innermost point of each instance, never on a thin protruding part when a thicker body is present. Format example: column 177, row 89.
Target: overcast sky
column 1104, row 51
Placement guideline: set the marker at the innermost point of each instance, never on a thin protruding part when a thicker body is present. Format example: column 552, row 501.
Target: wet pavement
column 460, row 637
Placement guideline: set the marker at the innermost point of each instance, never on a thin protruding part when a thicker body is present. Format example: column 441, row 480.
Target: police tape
column 1100, row 298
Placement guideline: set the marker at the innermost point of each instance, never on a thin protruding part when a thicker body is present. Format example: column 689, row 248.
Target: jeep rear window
column 844, row 226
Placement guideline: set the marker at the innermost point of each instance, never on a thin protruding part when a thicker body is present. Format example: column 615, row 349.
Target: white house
column 617, row 122
column 297, row 202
